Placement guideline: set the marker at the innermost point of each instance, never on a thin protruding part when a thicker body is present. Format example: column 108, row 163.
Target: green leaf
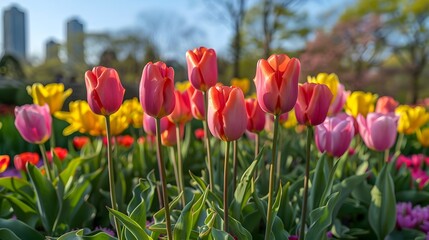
column 317, row 184
column 139, row 214
column 67, row 174
column 86, row 234
column 280, row 232
column 130, row 224
column 20, row 229
column 219, row 235
column 382, row 210
column 183, row 227
column 197, row 208
column 46, row 195
column 19, row 186
column 8, row 234
column 322, row 218
column 22, row 210
column 160, row 215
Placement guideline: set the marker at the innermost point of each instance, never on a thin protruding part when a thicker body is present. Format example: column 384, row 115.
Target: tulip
column 196, row 99
column 61, row 153
column 33, row 122
column 276, row 83
column 82, row 119
column 104, row 90
column 169, row 137
column 52, row 94
column 313, row 103
column 157, row 89
column 330, row 80
column 227, row 117
column 125, row 141
column 182, row 110
column 243, row 84
column 202, row 68
column 182, row 86
column 80, row 141
column 149, row 124
column 255, row 116
column 378, row 130
column 423, row 136
column 119, row 121
column 134, row 112
column 4, row 162
column 386, row 104
column 291, row 120
column 360, row 103
column 199, row 133
column 335, row 134
column 20, row 160
column 411, row 118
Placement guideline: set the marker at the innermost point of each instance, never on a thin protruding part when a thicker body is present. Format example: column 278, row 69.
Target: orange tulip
column 4, row 162
column 277, row 83
column 386, row 104
column 182, row 110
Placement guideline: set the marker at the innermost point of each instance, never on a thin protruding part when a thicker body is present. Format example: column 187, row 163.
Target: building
column 75, row 42
column 14, row 33
column 52, row 50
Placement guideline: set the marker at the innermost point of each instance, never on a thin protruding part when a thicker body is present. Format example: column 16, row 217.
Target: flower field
column 203, row 160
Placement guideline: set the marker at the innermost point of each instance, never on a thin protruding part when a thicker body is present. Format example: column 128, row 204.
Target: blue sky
column 47, row 18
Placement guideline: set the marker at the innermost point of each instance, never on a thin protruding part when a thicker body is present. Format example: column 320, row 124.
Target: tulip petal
column 110, row 91
column 381, row 132
column 319, row 104
column 289, row 87
column 234, row 115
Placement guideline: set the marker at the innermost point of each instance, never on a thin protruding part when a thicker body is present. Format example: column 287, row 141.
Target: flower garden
column 202, row 160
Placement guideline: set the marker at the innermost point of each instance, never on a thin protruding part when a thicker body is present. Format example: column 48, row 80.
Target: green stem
column 306, row 177
column 386, row 155
column 225, row 188
column 399, row 143
column 271, row 182
column 175, row 169
column 180, row 164
column 207, row 134
column 256, row 152
column 45, row 162
column 111, row 175
column 161, row 169
column 234, row 162
column 279, row 154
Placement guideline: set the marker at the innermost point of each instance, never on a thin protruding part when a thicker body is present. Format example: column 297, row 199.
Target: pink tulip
column 227, row 117
column 378, row 130
column 335, row 134
column 202, row 68
column 104, row 90
column 196, row 98
column 386, row 104
column 149, row 124
column 313, row 103
column 255, row 116
column 276, row 83
column 33, row 122
column 157, row 89
column 182, row 110
column 339, row 101
column 169, row 136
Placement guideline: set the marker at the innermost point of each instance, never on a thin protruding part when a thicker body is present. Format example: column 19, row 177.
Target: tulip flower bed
column 201, row 160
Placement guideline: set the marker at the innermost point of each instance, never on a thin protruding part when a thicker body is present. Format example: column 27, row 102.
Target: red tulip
column 125, row 141
column 227, row 117
column 20, row 160
column 255, row 116
column 104, row 90
column 202, row 68
column 196, row 99
column 386, row 104
column 157, row 89
column 277, row 83
column 313, row 103
column 335, row 134
column 61, row 153
column 34, row 122
column 199, row 133
column 4, row 162
column 378, row 130
column 182, row 109
column 80, row 141
column 169, row 136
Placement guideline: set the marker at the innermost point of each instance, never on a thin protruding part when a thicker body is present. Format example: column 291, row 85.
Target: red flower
column 199, row 133
column 80, row 141
column 20, row 160
column 4, row 162
column 125, row 141
column 61, row 153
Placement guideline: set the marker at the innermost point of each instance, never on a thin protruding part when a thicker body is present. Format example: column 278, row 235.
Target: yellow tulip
column 53, row 94
column 119, row 121
column 182, row 86
column 82, row 119
column 134, row 112
column 411, row 118
column 359, row 102
column 330, row 80
column 291, row 120
column 242, row 83
column 423, row 136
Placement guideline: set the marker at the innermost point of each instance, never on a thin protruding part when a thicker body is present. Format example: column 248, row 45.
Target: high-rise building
column 14, row 32
column 52, row 50
column 75, row 41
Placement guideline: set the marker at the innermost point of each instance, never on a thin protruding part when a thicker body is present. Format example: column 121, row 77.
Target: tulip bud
column 386, row 104
column 423, row 136
column 378, row 130
column 157, row 89
column 52, row 94
column 104, row 90
column 4, row 162
column 313, row 103
column 34, row 123
column 411, row 118
column 202, row 68
column 227, row 117
column 196, row 99
column 20, row 160
column 255, row 116
column 276, row 83
column 182, row 109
